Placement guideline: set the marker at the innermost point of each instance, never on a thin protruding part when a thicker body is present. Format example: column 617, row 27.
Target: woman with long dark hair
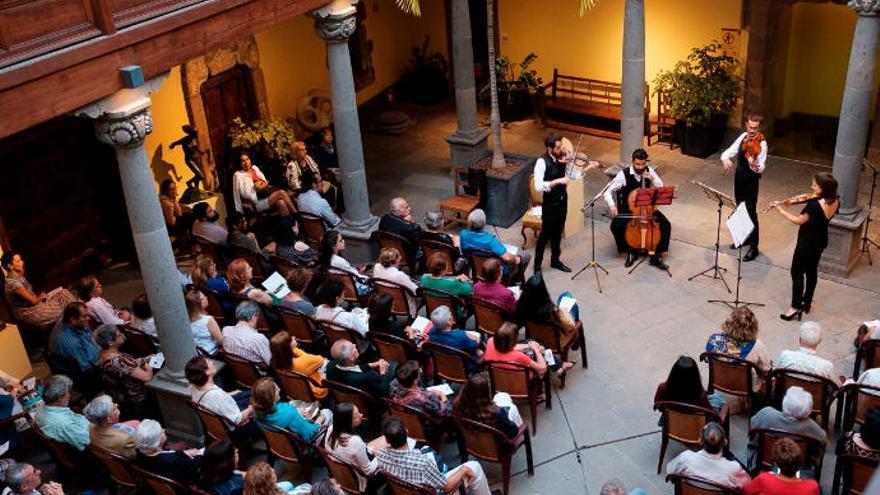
column 684, row 384
column 217, row 474
column 286, row 355
column 249, row 187
column 475, row 402
column 344, row 443
column 811, row 241
column 330, row 256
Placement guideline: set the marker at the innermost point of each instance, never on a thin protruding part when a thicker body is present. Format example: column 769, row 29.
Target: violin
column 794, row 200
column 751, row 147
column 575, row 159
column 642, row 231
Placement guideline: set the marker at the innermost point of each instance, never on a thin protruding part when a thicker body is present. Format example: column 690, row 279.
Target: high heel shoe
column 797, row 314
column 807, row 308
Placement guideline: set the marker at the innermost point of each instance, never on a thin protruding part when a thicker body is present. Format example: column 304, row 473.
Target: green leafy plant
column 706, row 83
column 512, row 77
column 424, row 60
column 271, row 137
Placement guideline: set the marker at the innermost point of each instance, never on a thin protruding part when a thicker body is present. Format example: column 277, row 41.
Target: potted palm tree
column 517, row 86
column 700, row 92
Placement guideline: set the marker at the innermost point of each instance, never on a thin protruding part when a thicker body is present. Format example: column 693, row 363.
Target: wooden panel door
column 226, row 96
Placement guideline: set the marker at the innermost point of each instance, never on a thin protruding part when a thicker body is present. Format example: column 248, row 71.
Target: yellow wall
column 592, row 45
column 169, row 113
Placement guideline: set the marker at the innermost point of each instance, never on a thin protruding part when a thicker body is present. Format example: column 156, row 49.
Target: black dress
column 811, row 241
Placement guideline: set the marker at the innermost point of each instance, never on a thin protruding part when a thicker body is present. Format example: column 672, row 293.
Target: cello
column 642, row 231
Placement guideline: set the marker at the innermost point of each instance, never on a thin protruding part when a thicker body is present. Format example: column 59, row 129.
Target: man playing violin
column 750, row 150
column 639, row 174
column 552, row 177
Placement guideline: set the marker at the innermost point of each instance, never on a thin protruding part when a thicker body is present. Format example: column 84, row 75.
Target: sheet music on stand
column 740, row 225
column 716, row 196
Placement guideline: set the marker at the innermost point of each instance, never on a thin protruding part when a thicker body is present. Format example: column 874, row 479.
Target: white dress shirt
column 709, row 467
column 104, row 312
column 730, row 153
column 243, row 190
column 807, row 361
column 541, row 169
column 619, row 181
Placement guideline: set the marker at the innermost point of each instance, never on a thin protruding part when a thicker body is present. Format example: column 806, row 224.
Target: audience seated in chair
column 205, row 329
column 399, row 220
column 414, row 467
column 178, row 219
column 534, row 304
column 406, row 389
column 240, row 275
column 128, row 374
column 142, row 316
column 25, row 479
column 287, row 356
column 709, row 463
column 261, row 479
column 239, row 235
column 106, row 431
column 374, row 378
column 474, row 237
column 330, row 256
column 297, row 281
column 866, row 441
column 492, row 290
column 205, row 275
column 290, row 246
column 794, row 418
column 181, row 466
column 433, row 230
column 90, row 291
column 243, row 339
column 684, row 384
column 443, row 333
column 217, row 475
column 616, row 487
column 206, row 225
column 787, row 457
column 72, row 338
column 250, row 189
column 386, row 269
column 235, row 407
column 310, row 200
column 475, row 401
column 325, row 150
column 503, row 347
column 436, row 278
column 382, row 319
column 272, row 413
column 300, row 162
column 37, row 309
column 342, row 441
column 739, row 338
column 329, row 300
column 805, row 358
column 56, row 420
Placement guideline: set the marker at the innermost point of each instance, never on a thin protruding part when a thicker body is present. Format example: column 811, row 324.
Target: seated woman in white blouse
column 330, row 256
column 329, row 299
column 342, row 442
column 250, row 188
column 386, row 269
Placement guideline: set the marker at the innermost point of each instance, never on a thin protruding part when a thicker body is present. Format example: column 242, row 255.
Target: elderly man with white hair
column 25, row 479
column 56, row 420
column 181, row 466
column 399, row 220
column 794, row 418
column 474, row 237
column 105, row 433
column 375, row 378
column 616, row 487
column 443, row 333
column 805, row 359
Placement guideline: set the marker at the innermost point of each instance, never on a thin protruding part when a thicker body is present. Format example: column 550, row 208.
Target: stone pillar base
column 844, row 235
column 179, row 420
column 467, row 148
column 360, row 230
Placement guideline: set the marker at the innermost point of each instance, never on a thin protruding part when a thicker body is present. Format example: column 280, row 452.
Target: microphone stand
column 716, row 270
column 867, row 243
column 736, row 302
column 593, row 263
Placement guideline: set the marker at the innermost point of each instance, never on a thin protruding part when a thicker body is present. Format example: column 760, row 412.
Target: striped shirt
column 247, row 343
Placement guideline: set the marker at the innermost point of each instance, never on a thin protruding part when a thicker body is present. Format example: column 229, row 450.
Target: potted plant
column 700, row 92
column 425, row 82
column 517, row 87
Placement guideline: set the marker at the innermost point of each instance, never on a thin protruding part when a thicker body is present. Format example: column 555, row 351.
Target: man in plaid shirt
column 417, row 468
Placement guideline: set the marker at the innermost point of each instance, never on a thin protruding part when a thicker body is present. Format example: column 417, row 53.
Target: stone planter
column 506, row 197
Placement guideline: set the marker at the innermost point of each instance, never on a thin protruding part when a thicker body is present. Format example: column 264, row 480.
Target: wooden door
column 226, row 96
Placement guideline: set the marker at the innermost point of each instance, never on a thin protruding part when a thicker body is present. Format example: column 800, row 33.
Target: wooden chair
column 287, row 446
column 161, row 485
column 476, row 258
column 312, row 228
column 215, row 426
column 852, row 473
column 296, row 386
column 300, row 326
column 489, row 316
column 203, row 246
column 118, row 467
column 344, row 472
column 487, row 443
column 349, row 286
column 282, row 265
column 421, row 426
column 69, row 460
column 435, row 298
column 553, row 337
column 215, row 308
column 683, row 423
column 370, row 407
column 246, row 372
column 687, row 485
column 401, row 244
column 732, row 376
column 521, row 383
column 400, row 294
column 255, row 260
column 139, row 343
column 401, row 487
column 235, row 299
column 812, row 451
column 868, row 354
column 392, row 347
column 529, row 220
column 823, row 390
column 663, row 125
column 857, row 399
column 450, row 364
column 337, row 331
column 461, row 204
column 449, row 253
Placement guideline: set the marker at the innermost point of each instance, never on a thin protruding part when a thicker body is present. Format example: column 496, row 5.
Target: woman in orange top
column 286, row 355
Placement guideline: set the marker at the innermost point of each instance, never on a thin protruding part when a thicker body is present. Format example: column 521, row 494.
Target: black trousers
column 745, row 189
column 804, row 268
column 552, row 225
column 618, row 228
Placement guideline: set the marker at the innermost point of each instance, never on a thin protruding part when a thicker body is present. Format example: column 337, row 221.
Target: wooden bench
column 579, row 104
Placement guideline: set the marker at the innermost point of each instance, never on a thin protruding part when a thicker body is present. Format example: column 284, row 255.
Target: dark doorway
column 479, row 38
column 226, row 96
column 62, row 205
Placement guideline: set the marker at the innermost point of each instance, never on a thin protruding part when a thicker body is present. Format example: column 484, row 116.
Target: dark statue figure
column 192, row 155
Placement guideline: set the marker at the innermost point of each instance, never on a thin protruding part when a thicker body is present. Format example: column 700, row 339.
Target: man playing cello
column 639, row 174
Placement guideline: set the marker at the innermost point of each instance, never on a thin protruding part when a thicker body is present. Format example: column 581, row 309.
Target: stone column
column 852, row 138
column 122, row 121
column 335, row 23
column 632, row 121
column 468, row 143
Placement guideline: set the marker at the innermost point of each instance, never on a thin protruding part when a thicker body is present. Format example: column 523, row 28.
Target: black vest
column 554, row 170
column 742, row 165
column 632, row 182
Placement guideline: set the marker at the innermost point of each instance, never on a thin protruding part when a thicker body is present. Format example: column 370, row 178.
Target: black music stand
column 652, row 196
column 739, row 244
column 867, row 243
column 717, row 271
column 593, row 263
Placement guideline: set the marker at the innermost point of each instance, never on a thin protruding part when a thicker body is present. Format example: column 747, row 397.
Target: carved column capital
column 335, row 28
column 128, row 131
column 865, row 7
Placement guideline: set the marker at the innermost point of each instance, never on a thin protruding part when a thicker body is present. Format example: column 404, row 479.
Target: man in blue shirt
column 71, row 338
column 475, row 238
column 310, row 200
column 443, row 334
